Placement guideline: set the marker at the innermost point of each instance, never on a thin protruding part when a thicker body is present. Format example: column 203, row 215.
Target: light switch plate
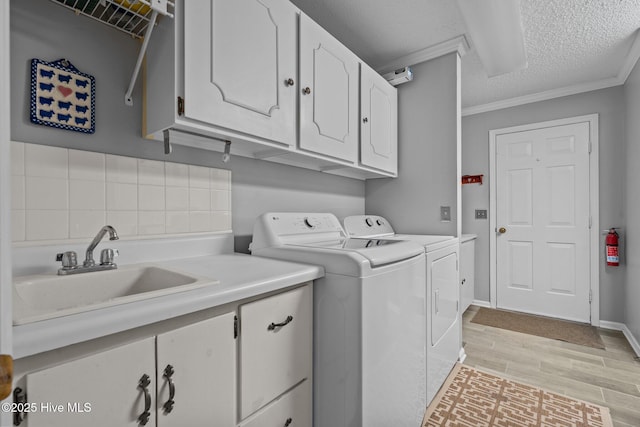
column 481, row 214
column 445, row 213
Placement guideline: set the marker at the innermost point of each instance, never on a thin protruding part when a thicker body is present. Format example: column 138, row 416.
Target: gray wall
column 44, row 30
column 632, row 93
column 609, row 104
column 427, row 153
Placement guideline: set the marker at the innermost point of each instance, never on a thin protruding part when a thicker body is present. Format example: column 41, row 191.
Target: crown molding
column 630, row 61
column 457, row 44
column 541, row 96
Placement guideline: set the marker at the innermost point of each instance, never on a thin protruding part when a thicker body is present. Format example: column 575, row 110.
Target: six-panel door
column 240, row 66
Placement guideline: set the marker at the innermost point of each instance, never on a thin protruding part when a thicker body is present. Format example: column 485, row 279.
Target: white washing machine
column 369, row 319
column 444, row 321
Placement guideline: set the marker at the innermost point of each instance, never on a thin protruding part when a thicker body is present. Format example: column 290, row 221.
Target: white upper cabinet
column 329, row 94
column 379, row 122
column 240, row 66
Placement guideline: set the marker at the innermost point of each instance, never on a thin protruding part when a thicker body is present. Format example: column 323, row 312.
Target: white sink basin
column 42, row 297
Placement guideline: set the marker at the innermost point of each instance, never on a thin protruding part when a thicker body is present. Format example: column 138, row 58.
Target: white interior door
column 542, row 221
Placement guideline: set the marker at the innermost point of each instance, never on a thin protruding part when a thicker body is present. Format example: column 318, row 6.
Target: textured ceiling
column 568, row 42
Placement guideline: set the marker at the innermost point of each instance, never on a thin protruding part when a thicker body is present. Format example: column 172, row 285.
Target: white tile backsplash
column 122, row 197
column 87, row 166
column 46, row 193
column 46, row 161
column 85, row 223
column 18, row 192
column 199, row 199
column 121, row 169
column 150, row 172
column 86, row 195
column 17, row 158
column 199, row 177
column 176, row 175
column 59, row 194
column 46, row 224
column 151, row 198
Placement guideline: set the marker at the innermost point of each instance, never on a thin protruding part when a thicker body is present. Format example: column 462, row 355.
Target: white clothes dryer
column 444, row 320
column 369, row 319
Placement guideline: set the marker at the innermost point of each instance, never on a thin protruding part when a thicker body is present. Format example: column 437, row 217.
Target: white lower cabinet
column 112, row 383
column 276, row 339
column 199, row 363
column 467, row 274
column 188, row 375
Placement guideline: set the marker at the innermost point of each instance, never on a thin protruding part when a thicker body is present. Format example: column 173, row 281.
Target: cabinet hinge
column 180, row 106
column 457, row 306
column 236, row 327
column 590, row 296
column 590, row 222
column 590, row 147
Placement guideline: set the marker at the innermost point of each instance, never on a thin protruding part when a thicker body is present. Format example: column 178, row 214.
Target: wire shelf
column 129, row 16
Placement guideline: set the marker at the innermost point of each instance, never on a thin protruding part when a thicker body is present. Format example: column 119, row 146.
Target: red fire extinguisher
column 613, row 255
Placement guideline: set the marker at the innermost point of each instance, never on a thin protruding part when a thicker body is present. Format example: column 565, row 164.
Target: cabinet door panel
column 202, row 357
column 108, row 381
column 274, row 359
column 328, row 113
column 294, row 406
column 379, row 124
column 238, row 56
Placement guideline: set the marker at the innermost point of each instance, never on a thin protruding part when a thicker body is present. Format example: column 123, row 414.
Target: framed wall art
column 62, row 96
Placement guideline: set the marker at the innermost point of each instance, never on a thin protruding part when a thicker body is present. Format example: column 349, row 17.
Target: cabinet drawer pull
column 168, row 373
column 272, row 326
column 288, row 422
column 144, row 382
column 306, row 90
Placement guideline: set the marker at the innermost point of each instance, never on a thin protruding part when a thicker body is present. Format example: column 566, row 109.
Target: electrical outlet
column 445, row 213
column 481, row 214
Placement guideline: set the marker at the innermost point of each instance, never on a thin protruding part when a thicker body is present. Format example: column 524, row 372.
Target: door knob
column 502, row 230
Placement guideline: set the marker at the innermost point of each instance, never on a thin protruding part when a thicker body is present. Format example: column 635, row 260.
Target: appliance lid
column 378, row 252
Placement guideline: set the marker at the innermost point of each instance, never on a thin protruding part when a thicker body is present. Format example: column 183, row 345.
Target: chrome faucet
column 88, row 261
column 69, row 259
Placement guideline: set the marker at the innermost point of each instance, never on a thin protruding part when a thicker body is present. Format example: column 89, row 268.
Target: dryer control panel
column 367, row 225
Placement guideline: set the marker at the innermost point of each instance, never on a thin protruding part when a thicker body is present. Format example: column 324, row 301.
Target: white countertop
column 240, row 276
column 467, row 237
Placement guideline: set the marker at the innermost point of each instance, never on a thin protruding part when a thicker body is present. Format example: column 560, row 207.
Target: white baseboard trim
column 616, row 326
column 480, row 303
column 462, row 355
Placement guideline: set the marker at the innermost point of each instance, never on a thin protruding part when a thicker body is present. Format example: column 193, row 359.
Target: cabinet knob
column 288, row 422
column 306, row 90
column 365, row 120
column 289, row 82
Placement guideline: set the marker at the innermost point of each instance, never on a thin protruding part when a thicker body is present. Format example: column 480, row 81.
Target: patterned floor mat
column 472, row 398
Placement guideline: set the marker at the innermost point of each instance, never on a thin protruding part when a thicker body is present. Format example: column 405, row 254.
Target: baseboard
column 462, row 355
column 616, row 326
column 480, row 303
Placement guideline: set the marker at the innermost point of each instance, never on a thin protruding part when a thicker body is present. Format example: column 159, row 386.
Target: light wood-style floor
column 609, row 377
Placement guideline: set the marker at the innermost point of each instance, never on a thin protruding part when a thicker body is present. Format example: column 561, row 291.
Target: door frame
column 594, row 201
column 6, row 317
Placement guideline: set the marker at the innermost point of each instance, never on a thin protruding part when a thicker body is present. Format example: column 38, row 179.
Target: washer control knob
column 379, row 222
column 311, row 222
column 369, row 222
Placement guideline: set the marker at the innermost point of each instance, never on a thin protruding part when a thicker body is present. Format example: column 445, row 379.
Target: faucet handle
column 107, row 256
column 69, row 260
